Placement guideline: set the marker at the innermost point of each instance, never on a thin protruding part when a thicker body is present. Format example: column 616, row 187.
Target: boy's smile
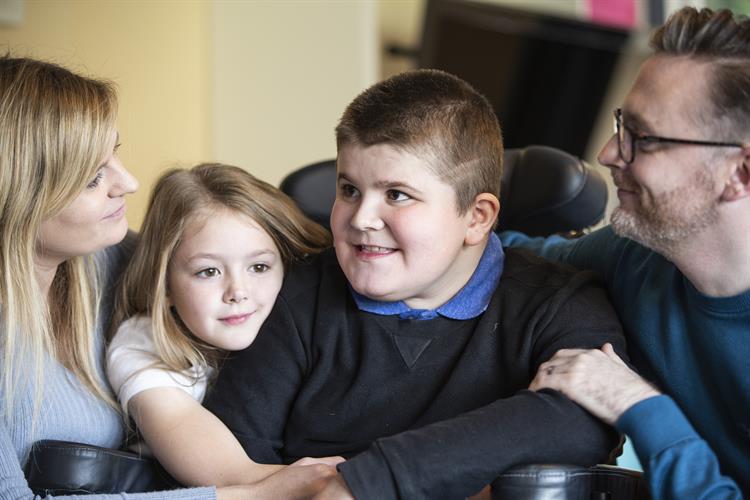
column 396, row 229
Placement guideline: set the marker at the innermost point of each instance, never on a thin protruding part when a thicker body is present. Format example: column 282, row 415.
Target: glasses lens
column 624, row 141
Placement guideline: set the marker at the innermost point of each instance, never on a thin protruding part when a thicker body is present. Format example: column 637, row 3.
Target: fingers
column 332, row 461
column 548, row 375
column 610, row 352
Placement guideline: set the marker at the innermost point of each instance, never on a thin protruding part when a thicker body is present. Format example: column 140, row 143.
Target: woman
column 62, row 218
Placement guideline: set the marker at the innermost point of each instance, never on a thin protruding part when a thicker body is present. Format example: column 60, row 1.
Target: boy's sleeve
column 455, row 458
column 257, row 412
column 678, row 463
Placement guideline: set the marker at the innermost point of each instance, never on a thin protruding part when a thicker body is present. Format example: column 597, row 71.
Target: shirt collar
column 471, row 301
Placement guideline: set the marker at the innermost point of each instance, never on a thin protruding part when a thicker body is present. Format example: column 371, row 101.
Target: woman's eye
column 209, row 272
column 96, row 180
column 394, row 195
column 260, row 268
column 348, row 191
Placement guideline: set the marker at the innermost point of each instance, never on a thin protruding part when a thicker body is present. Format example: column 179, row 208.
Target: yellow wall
column 260, row 84
column 156, row 52
column 283, row 73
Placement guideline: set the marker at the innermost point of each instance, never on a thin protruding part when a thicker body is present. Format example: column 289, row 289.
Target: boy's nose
column 366, row 217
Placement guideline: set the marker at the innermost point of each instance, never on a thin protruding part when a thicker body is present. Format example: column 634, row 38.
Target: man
column 676, row 260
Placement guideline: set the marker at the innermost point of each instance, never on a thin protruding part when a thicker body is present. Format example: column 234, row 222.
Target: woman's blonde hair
column 55, row 129
column 179, row 197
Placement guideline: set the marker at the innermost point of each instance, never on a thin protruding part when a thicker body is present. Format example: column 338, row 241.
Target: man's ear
column 484, row 212
column 738, row 184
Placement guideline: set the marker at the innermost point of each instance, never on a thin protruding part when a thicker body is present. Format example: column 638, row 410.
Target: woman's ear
column 484, row 212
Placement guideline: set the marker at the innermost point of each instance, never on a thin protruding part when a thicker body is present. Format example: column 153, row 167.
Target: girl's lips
column 235, row 320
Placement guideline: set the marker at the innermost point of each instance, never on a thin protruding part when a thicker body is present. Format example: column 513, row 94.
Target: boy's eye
column 96, row 180
column 259, row 268
column 348, row 191
column 395, row 195
column 209, row 272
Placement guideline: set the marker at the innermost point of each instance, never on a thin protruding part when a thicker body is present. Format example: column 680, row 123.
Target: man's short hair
column 439, row 118
column 723, row 39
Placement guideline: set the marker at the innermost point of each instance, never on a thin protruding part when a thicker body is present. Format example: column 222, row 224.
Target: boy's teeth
column 368, row 248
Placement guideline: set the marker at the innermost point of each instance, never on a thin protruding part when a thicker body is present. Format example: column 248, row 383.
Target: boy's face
column 396, row 229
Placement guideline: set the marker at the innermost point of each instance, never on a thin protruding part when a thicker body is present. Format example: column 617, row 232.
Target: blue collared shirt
column 471, row 301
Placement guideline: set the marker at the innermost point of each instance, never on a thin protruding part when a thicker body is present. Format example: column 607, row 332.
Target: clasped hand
column 596, row 379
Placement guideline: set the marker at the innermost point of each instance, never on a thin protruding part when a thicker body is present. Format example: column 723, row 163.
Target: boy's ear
column 484, row 212
column 738, row 184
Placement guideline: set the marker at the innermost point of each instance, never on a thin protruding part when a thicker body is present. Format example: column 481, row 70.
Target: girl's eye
column 96, row 181
column 395, row 195
column 209, row 272
column 259, row 268
column 348, row 191
column 117, row 147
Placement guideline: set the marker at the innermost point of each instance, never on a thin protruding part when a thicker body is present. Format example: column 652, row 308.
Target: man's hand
column 335, row 489
column 596, row 379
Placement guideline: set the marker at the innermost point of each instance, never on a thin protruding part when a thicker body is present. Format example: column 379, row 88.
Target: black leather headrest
column 544, row 191
column 313, row 188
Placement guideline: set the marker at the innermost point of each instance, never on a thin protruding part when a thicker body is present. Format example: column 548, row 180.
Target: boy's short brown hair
column 435, row 115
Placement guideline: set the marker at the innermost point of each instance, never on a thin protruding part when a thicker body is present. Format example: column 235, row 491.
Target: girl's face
column 224, row 278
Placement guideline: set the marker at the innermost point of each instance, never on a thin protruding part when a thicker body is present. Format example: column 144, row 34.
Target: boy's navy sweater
column 421, row 408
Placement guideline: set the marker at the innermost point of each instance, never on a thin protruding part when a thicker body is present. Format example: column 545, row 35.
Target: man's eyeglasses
column 627, row 140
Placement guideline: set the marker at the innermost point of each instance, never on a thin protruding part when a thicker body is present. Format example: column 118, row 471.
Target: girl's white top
column 133, row 365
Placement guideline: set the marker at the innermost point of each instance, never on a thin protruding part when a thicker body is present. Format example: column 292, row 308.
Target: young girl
column 204, row 276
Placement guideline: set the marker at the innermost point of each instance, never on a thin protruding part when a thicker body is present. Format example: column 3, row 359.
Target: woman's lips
column 117, row 213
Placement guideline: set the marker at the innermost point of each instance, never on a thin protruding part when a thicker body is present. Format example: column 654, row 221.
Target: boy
column 409, row 350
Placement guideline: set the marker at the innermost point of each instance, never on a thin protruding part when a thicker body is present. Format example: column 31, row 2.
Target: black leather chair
column 67, row 468
column 543, row 191
column 569, row 482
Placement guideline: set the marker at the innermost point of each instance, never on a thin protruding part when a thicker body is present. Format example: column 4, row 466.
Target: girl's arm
column 197, row 449
column 190, row 442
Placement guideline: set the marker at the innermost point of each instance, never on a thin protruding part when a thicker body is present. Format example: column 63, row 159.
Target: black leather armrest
column 66, row 468
column 569, row 482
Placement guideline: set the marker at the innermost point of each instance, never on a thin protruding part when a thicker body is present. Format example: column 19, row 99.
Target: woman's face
column 94, row 220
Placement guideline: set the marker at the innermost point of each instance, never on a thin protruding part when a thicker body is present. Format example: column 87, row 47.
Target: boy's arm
column 678, row 463
column 458, row 456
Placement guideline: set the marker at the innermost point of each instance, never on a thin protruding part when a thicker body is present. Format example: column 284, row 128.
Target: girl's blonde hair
column 179, row 196
column 55, row 129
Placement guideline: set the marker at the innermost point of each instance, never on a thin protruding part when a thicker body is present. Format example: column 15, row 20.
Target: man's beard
column 672, row 218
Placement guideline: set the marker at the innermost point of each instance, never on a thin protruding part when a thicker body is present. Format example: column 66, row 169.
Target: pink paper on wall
column 620, row 13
